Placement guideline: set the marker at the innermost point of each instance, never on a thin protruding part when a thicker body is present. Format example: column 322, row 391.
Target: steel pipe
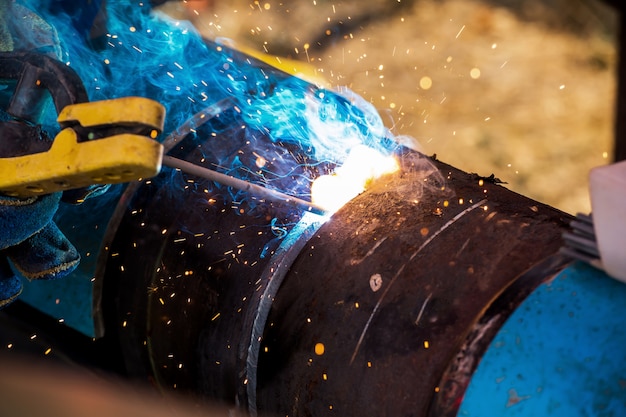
column 365, row 314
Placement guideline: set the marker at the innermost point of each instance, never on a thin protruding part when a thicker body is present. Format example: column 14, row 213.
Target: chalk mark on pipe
column 462, row 248
column 370, row 252
column 395, row 277
column 419, row 315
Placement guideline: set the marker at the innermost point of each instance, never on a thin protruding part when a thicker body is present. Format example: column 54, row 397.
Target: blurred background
column 522, row 89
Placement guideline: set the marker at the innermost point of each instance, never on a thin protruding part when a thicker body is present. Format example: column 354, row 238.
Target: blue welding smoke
column 281, row 132
column 227, row 112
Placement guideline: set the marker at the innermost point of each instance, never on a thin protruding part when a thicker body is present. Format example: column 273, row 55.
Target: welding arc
column 239, row 184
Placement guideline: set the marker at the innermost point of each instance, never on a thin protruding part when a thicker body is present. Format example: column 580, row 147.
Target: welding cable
column 240, row 184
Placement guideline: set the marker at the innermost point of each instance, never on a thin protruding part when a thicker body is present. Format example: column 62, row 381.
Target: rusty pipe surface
column 392, row 290
column 363, row 314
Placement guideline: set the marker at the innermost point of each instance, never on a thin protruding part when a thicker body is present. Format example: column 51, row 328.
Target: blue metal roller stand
column 561, row 353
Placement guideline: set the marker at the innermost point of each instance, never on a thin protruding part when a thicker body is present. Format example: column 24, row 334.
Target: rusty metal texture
column 384, row 296
column 373, row 311
column 460, row 370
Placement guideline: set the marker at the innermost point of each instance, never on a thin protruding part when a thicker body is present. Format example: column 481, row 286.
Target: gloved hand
column 32, row 242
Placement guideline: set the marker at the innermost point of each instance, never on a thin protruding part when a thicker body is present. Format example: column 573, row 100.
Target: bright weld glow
column 290, row 130
column 362, row 166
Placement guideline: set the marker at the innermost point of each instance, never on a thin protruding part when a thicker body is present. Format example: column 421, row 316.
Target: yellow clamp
column 72, row 164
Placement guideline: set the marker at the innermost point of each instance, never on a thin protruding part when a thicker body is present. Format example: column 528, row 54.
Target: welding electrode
column 239, row 184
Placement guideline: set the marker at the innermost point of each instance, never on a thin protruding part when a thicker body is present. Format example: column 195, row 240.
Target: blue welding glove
column 32, row 243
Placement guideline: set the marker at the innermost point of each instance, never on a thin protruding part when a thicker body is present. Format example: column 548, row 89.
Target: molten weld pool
column 425, row 291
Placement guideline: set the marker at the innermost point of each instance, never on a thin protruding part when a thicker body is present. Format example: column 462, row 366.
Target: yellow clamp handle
column 71, row 164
